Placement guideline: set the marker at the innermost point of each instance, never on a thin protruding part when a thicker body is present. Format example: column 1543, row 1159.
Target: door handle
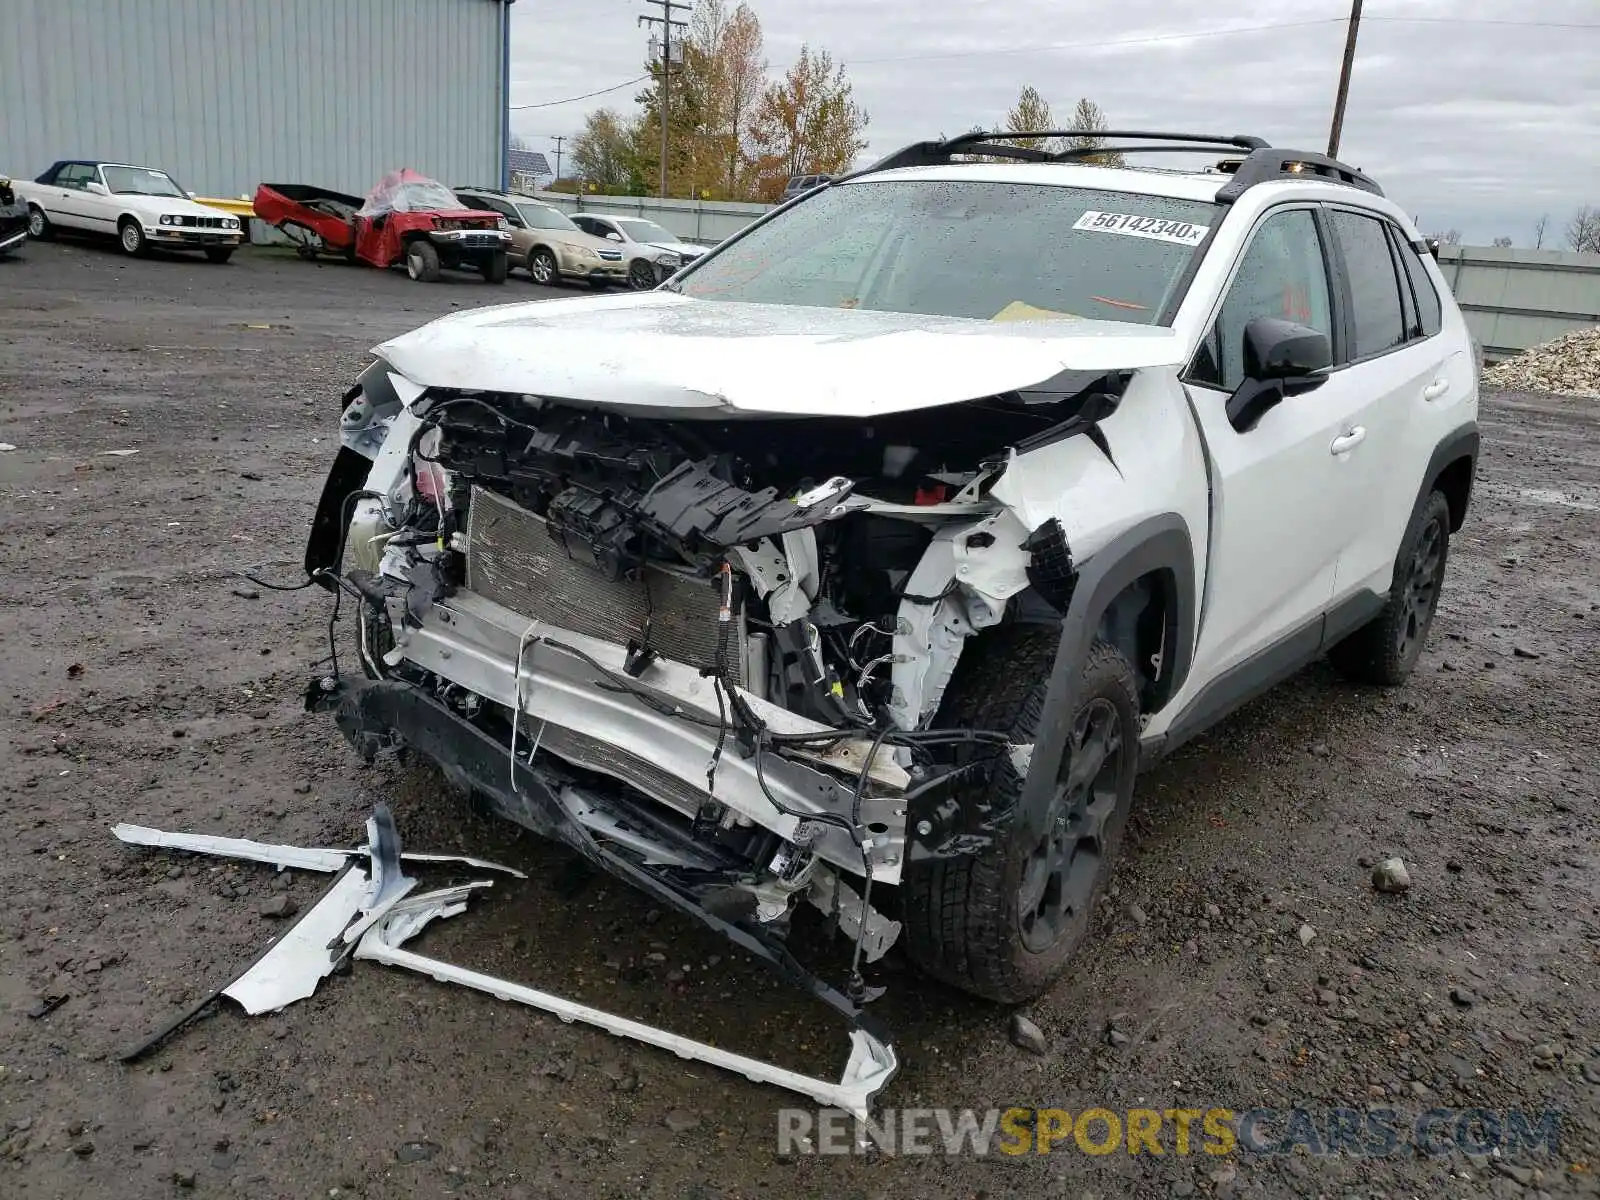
column 1436, row 389
column 1348, row 441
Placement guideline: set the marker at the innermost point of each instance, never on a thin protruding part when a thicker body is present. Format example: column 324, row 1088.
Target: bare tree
column 1539, row 228
column 1450, row 237
column 1503, row 243
column 1583, row 232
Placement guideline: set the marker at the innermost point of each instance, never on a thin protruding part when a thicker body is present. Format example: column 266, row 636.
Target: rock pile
column 1569, row 365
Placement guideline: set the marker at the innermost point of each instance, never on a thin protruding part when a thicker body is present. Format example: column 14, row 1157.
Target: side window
column 1376, row 317
column 1429, row 313
column 1282, row 274
column 75, row 175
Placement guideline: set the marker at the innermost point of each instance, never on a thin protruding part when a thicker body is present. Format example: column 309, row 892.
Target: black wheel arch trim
column 1158, row 545
column 1462, row 442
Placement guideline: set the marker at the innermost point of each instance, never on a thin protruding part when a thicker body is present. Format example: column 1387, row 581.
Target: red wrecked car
column 407, row 218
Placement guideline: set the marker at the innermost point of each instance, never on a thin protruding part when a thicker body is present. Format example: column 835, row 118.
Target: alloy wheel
column 1059, row 876
column 35, row 223
column 1420, row 595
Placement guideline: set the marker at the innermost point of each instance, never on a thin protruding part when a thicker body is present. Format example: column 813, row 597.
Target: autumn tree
column 1088, row 118
column 806, row 123
column 1032, row 112
column 603, row 153
column 726, row 53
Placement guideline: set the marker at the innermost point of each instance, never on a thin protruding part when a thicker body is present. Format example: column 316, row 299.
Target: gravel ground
column 139, row 684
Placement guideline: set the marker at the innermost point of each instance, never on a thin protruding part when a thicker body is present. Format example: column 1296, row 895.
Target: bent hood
column 659, row 350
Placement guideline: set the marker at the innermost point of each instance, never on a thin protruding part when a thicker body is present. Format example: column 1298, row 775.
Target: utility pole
column 668, row 24
column 1344, row 79
column 558, row 141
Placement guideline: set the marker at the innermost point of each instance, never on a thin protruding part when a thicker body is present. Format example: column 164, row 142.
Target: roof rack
column 1266, row 164
column 1261, row 162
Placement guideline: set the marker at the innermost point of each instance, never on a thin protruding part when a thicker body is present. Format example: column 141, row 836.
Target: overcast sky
column 1479, row 123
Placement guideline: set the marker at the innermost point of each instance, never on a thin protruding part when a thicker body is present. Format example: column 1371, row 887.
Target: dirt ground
column 141, row 680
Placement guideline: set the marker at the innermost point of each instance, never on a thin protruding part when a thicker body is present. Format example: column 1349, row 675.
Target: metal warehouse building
column 226, row 94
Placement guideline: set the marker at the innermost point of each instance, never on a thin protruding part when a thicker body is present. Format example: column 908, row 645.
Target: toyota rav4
column 867, row 561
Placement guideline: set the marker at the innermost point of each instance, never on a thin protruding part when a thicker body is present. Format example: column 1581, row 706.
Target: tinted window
column 1376, row 318
column 1282, row 274
column 1428, row 310
column 965, row 249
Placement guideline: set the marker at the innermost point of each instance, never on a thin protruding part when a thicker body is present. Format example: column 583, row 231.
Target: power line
column 573, row 99
column 1210, row 33
column 1133, row 41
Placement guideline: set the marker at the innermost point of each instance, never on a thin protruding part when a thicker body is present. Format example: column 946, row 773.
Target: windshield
column 542, row 216
column 967, row 248
column 644, row 231
column 406, row 191
column 140, row 181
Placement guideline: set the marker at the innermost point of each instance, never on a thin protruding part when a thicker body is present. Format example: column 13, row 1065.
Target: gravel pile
column 1569, row 365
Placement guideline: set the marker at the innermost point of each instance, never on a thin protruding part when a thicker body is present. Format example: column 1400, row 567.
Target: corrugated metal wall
column 226, row 94
column 1515, row 299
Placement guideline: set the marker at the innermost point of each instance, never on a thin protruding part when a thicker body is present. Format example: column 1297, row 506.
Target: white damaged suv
column 863, row 565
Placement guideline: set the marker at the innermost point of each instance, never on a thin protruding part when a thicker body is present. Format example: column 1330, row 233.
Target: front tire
column 496, row 267
column 131, row 238
column 219, row 254
column 542, row 266
column 1385, row 650
column 39, row 227
column 642, row 275
column 422, row 261
column 1003, row 921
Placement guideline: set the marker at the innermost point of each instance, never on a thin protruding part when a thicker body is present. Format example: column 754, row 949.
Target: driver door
column 1275, row 538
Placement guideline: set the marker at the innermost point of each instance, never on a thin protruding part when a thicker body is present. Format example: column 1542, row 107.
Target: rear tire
column 422, row 261
column 39, row 227
column 219, row 254
column 496, row 267
column 1385, row 650
column 131, row 238
column 1002, row 923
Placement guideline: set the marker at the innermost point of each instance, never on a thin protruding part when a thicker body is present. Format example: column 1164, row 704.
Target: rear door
column 1399, row 367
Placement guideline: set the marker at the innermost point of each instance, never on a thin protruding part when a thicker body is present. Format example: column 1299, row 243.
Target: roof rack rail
column 1261, row 163
column 997, row 145
column 1266, row 163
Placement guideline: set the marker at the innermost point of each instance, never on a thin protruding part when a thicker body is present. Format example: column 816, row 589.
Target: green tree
column 1031, row 112
column 1091, row 121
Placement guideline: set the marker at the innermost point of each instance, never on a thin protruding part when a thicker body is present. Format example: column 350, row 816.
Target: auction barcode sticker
column 1184, row 233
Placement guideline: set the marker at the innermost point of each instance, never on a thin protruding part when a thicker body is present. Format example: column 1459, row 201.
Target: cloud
column 1481, row 123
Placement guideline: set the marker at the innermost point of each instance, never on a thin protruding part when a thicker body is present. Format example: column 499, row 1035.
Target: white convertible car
column 140, row 206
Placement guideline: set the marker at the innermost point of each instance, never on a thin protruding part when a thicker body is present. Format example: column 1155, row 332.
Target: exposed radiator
column 513, row 560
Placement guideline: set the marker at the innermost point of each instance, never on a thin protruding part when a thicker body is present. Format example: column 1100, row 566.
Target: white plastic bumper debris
column 871, row 1065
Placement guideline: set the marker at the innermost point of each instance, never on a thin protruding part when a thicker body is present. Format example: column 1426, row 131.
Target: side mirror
column 613, row 236
column 1280, row 359
column 99, row 189
column 1433, row 248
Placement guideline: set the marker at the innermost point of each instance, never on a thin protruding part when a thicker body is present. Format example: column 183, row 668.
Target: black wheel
column 422, row 261
column 1385, row 650
column 39, row 227
column 309, row 253
column 1003, row 921
column 496, row 267
column 542, row 266
column 219, row 254
column 641, row 275
column 131, row 237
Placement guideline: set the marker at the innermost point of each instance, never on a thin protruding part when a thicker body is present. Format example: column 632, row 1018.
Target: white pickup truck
column 139, row 206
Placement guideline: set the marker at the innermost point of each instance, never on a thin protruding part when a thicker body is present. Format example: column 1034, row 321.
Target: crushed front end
column 703, row 648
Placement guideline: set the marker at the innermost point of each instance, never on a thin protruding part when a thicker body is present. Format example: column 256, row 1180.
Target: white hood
column 686, row 250
column 151, row 207
column 661, row 350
